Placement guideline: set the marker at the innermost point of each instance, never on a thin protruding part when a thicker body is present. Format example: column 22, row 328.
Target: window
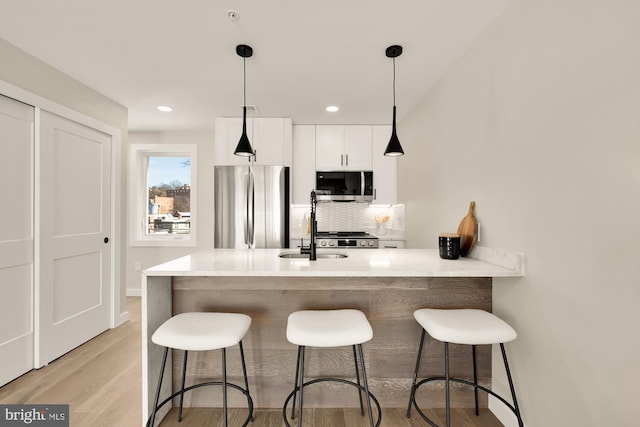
column 162, row 194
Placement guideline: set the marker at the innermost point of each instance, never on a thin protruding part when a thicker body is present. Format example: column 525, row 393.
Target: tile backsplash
column 336, row 216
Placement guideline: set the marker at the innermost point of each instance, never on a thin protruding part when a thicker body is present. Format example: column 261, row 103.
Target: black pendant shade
column 394, row 148
column 244, row 146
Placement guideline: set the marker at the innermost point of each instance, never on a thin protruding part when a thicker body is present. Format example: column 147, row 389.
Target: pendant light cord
column 244, row 81
column 394, row 82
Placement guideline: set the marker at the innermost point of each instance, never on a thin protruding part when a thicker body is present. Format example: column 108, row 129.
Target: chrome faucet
column 311, row 249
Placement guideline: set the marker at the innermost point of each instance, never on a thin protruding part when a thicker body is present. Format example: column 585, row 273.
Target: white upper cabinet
column 385, row 169
column 357, row 148
column 303, row 175
column 343, row 147
column 227, row 135
column 329, row 147
column 271, row 139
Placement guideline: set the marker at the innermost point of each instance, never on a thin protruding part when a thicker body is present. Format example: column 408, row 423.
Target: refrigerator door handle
column 246, row 209
column 252, row 210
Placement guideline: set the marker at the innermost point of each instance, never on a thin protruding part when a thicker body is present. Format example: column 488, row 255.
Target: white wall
column 539, row 123
column 150, row 256
column 25, row 71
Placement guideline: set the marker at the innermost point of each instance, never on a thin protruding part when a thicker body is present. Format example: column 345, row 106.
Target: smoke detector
column 233, row 15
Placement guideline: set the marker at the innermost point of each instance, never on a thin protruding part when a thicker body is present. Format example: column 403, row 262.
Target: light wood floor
column 101, row 381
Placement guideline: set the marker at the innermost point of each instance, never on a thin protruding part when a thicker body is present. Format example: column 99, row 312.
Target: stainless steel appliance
column 344, row 186
column 251, row 207
column 346, row 239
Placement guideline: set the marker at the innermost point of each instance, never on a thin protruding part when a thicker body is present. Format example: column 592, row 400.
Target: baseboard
column 134, row 292
column 123, row 318
column 503, row 413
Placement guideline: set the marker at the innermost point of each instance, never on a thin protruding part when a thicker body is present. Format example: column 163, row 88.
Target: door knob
column 106, row 240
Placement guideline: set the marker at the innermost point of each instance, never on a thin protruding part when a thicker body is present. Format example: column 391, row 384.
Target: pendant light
column 394, row 148
column 244, row 146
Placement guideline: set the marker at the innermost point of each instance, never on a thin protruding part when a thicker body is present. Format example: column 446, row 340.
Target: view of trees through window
column 169, row 195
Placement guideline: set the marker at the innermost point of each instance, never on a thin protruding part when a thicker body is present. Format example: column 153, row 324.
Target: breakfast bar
column 388, row 285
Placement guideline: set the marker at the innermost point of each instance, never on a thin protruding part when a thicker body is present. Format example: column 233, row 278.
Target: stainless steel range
column 346, row 239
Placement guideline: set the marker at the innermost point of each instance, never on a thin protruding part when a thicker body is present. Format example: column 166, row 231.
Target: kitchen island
column 387, row 285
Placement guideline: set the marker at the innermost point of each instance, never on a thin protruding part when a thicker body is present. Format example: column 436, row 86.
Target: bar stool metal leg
column 366, row 385
column 355, row 359
column 184, row 375
column 246, row 380
column 300, row 385
column 155, row 402
column 475, row 378
column 415, row 373
column 447, row 386
column 293, row 405
column 224, row 385
column 513, row 390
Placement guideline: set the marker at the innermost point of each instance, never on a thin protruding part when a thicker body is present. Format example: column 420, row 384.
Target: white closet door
column 16, row 239
column 75, row 226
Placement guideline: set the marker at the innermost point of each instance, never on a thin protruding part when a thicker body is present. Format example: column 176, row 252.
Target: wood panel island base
column 387, row 285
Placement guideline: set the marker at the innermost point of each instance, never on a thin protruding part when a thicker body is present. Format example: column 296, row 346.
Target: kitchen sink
column 319, row 255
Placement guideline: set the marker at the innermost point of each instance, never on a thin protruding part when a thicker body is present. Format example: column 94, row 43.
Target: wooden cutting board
column 468, row 231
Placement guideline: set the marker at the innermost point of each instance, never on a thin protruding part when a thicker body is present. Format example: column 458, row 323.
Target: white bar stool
column 329, row 328
column 202, row 332
column 462, row 326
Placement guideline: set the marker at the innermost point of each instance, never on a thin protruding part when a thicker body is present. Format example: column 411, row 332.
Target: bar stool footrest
column 454, row 380
column 209, row 383
column 338, row 380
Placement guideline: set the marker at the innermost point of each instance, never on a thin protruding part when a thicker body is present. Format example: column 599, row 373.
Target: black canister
column 449, row 246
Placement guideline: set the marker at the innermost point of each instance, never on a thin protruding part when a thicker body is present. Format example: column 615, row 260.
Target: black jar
column 449, row 245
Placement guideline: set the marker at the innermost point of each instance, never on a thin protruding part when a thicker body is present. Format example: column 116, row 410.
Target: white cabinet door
column 329, row 148
column 75, row 235
column 227, row 135
column 385, row 169
column 270, row 139
column 357, row 148
column 16, row 240
column 304, row 163
column 343, row 147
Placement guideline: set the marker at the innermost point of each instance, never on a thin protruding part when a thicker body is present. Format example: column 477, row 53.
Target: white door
column 16, row 239
column 75, row 225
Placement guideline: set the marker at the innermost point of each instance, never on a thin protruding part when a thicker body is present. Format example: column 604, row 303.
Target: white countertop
column 359, row 263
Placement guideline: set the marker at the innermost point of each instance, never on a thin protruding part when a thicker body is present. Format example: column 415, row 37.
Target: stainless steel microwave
column 344, row 186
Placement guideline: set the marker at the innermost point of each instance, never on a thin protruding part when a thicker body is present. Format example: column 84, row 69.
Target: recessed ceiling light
column 165, row 108
column 333, row 108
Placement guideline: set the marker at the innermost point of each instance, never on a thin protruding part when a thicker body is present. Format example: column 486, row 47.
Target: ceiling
column 307, row 55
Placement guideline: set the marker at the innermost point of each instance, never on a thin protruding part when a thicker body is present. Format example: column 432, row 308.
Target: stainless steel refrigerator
column 251, row 207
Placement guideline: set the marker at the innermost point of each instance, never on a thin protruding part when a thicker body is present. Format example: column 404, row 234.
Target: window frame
column 138, row 195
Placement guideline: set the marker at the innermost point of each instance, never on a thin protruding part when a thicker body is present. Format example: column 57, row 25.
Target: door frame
column 117, row 315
